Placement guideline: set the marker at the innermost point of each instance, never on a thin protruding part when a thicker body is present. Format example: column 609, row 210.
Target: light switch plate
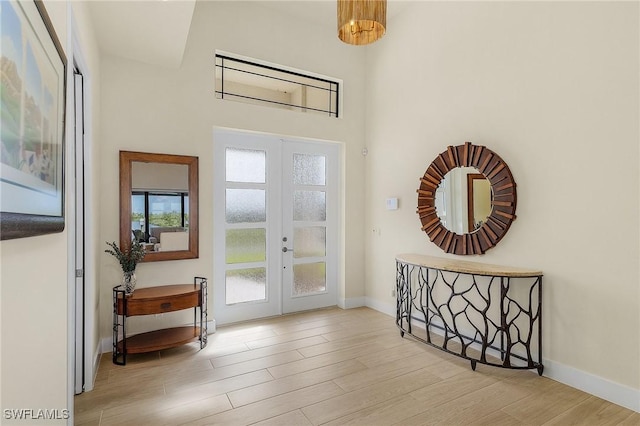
column 392, row 203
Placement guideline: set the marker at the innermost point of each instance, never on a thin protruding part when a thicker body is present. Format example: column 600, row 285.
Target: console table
column 158, row 300
column 484, row 313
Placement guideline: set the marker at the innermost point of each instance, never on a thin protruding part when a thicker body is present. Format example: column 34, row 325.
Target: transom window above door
column 256, row 82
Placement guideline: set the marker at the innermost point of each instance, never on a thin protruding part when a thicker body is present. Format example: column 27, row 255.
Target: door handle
column 286, row 249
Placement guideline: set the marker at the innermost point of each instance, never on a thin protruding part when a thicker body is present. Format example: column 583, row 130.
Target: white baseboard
column 385, row 308
column 352, row 302
column 616, row 393
column 97, row 354
column 106, row 345
column 595, row 385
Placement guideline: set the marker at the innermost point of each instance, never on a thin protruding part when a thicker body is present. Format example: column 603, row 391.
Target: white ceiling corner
column 150, row 31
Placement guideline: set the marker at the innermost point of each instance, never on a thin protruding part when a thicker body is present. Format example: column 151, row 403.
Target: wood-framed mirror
column 491, row 203
column 159, row 204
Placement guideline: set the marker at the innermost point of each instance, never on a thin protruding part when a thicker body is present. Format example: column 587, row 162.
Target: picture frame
column 32, row 133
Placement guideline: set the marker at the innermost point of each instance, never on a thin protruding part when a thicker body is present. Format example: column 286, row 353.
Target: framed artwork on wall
column 32, row 117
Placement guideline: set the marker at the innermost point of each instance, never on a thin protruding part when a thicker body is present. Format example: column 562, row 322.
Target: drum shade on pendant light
column 361, row 21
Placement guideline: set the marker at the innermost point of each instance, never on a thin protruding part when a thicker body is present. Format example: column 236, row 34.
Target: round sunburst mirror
column 467, row 199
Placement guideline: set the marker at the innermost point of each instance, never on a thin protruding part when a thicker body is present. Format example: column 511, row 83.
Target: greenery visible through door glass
column 246, row 245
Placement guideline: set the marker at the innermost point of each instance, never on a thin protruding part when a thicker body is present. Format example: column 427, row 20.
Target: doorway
column 80, row 354
column 276, row 225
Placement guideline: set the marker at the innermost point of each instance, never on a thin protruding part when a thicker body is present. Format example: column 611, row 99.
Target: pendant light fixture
column 361, row 21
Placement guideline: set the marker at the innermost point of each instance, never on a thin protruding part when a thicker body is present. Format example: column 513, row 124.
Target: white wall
column 34, row 304
column 34, row 322
column 553, row 89
column 154, row 109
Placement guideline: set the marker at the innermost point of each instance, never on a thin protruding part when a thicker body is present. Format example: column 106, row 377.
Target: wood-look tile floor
column 329, row 366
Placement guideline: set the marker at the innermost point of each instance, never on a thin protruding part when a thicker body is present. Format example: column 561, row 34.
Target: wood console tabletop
column 466, row 267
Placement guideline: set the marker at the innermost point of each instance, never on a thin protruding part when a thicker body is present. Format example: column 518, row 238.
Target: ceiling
column 156, row 31
column 151, row 31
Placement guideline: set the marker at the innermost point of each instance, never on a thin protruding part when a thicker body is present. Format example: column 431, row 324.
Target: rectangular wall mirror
column 159, row 204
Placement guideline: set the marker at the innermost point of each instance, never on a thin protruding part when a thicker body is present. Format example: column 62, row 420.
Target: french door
column 276, row 214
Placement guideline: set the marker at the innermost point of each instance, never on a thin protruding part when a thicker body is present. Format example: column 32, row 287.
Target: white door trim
column 92, row 353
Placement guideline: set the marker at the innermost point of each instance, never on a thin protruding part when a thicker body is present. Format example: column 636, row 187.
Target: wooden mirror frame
column 503, row 200
column 126, row 160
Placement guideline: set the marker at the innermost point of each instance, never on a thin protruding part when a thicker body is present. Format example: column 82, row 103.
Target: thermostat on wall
column 392, row 203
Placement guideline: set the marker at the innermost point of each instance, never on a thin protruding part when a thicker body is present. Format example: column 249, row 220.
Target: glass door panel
column 309, row 241
column 309, row 206
column 309, row 278
column 246, row 233
column 245, row 165
column 246, row 206
column 245, row 285
column 246, row 245
column 309, row 169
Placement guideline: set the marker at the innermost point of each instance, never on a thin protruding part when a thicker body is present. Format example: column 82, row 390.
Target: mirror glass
column 159, row 204
column 463, row 200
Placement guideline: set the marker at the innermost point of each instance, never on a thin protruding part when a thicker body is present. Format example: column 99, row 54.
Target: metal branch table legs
column 484, row 313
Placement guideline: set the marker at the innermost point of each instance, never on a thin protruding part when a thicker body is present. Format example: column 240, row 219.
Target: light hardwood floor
column 329, row 366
